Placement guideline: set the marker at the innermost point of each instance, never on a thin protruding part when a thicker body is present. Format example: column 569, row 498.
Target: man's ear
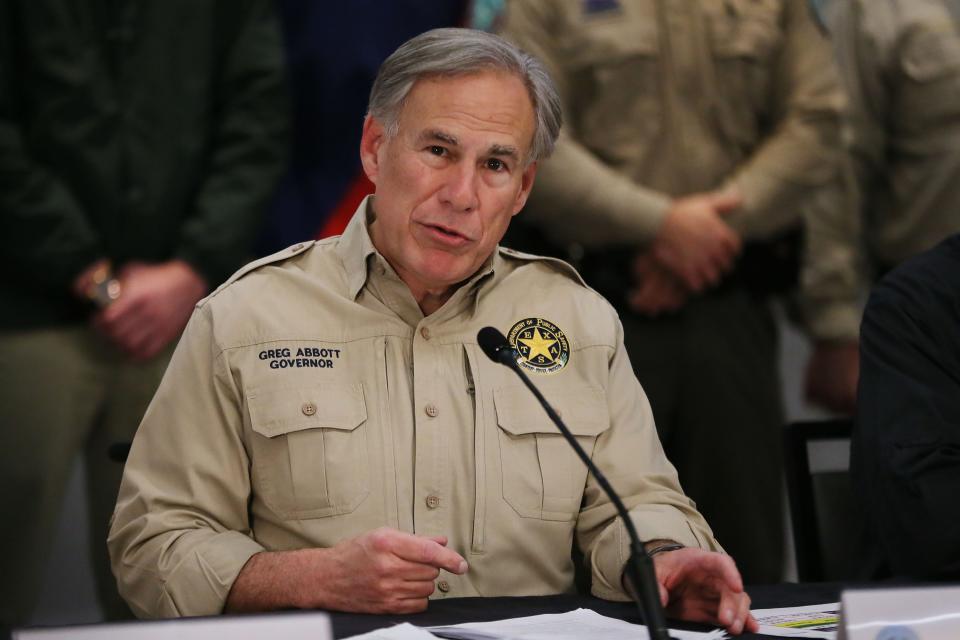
column 371, row 141
column 526, row 184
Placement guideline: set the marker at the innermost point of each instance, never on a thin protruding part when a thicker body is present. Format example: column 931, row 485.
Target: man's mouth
column 446, row 235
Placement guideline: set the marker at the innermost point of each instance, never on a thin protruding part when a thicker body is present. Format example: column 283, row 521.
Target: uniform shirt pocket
column 929, row 96
column 615, row 105
column 542, row 476
column 745, row 40
column 309, row 449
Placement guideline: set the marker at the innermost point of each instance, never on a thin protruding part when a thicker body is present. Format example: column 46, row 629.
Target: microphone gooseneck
column 639, row 569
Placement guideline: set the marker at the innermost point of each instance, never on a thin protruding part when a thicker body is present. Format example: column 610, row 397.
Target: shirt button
column 432, row 410
column 433, row 502
column 444, row 586
column 308, row 408
column 425, row 332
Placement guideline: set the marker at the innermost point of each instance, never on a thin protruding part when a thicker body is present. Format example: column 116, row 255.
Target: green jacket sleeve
column 249, row 148
column 45, row 234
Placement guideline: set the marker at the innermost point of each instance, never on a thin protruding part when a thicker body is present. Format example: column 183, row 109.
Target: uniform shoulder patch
column 563, row 267
column 279, row 256
column 542, row 346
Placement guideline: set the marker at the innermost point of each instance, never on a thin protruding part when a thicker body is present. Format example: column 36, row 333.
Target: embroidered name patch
column 286, row 358
column 542, row 346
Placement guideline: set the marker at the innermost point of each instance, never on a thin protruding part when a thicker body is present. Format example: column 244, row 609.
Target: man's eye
column 496, row 164
column 437, row 150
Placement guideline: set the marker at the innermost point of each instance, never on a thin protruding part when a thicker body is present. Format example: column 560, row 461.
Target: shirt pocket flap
column 584, row 411
column 612, row 45
column 930, row 55
column 754, row 39
column 275, row 412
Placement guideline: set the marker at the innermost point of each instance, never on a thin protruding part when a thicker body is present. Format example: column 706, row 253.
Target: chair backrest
column 826, row 523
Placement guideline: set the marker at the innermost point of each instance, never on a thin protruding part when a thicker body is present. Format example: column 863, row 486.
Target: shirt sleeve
column 836, row 270
column 249, row 148
column 634, row 462
column 803, row 150
column 181, row 532
column 45, row 233
column 598, row 204
column 833, row 277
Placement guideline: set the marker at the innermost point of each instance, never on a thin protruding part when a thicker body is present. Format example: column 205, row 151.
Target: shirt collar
column 356, row 247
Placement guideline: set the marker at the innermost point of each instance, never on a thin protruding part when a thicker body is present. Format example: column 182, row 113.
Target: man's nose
column 460, row 188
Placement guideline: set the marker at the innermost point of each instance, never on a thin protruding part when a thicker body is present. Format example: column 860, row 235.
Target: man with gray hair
column 330, row 435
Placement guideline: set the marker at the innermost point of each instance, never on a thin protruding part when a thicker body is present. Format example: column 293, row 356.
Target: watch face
column 104, row 293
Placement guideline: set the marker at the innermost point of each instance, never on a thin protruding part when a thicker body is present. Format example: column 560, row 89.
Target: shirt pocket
column 929, row 94
column 309, row 448
column 542, row 476
column 745, row 40
column 615, row 104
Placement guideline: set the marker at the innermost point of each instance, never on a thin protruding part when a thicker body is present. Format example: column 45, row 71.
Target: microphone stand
column 640, row 571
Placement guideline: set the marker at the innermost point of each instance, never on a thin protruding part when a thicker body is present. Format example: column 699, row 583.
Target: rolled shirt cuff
column 612, row 549
column 837, row 322
column 200, row 584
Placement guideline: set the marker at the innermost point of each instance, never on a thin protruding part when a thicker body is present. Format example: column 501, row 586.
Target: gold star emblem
column 538, row 345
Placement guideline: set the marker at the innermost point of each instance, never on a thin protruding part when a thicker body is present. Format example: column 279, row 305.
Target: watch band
column 663, row 548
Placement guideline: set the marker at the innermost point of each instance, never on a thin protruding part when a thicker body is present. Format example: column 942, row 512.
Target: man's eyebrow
column 504, row 150
column 436, row 135
column 439, row 136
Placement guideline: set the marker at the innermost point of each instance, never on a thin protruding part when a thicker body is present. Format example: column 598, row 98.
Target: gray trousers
column 63, row 391
column 711, row 374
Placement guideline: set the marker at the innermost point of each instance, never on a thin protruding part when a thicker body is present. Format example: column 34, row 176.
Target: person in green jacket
column 139, row 144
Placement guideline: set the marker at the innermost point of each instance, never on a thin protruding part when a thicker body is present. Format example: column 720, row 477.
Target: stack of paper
column 815, row 621
column 573, row 625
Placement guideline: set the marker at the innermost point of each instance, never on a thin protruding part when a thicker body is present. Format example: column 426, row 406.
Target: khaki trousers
column 63, row 391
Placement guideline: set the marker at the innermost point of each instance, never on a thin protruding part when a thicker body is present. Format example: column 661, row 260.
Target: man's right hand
column 381, row 571
column 833, row 372
column 694, row 241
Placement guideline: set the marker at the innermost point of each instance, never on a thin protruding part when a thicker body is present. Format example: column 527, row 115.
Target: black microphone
column 640, row 571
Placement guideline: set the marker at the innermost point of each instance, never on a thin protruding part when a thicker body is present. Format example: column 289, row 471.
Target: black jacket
column 906, row 445
column 145, row 130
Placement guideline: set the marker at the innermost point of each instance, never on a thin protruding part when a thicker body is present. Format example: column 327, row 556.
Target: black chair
column 826, row 523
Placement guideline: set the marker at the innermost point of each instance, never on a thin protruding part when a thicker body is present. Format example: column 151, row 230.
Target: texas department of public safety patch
column 542, row 346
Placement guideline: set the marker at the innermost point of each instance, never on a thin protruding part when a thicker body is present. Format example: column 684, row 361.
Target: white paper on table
column 814, row 621
column 405, row 631
column 581, row 623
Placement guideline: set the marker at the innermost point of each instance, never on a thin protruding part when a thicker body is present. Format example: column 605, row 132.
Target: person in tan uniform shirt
column 900, row 63
column 694, row 130
column 329, row 434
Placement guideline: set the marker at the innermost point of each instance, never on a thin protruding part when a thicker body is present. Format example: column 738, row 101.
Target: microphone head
column 495, row 345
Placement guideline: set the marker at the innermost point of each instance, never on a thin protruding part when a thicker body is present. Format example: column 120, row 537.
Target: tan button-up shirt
column 900, row 62
column 664, row 98
column 310, row 401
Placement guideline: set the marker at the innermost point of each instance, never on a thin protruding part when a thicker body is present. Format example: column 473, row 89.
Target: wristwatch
column 103, row 288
